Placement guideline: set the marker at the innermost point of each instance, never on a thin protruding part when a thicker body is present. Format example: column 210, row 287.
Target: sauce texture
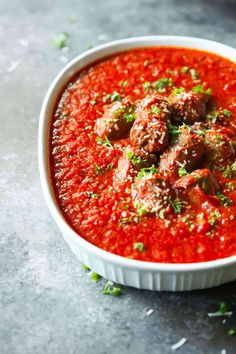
column 84, row 164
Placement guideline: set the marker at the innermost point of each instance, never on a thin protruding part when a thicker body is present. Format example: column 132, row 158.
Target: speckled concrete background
column 48, row 303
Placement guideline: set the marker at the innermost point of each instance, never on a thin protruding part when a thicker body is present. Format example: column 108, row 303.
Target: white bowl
column 139, row 274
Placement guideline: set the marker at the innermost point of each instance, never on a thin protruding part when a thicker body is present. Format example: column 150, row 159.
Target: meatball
column 149, row 131
column 203, row 177
column 220, row 149
column 131, row 160
column 185, row 153
column 117, row 120
column 188, row 107
column 151, row 193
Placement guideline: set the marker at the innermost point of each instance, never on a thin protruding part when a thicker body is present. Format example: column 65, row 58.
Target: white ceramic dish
column 139, row 274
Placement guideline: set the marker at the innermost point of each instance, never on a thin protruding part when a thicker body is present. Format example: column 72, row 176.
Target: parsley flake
column 178, row 90
column 177, row 205
column 227, row 113
column 155, row 110
column 182, row 172
column 225, row 201
column 136, row 160
column 95, row 277
column 184, row 69
column 146, row 171
column 123, row 83
column 115, row 96
column 92, row 195
column 194, row 74
column 213, row 217
column 60, row 41
column 161, row 84
column 139, row 246
column 104, row 142
column 147, row 85
column 110, row 289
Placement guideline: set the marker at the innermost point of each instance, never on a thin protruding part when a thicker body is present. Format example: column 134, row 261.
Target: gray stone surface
column 47, row 303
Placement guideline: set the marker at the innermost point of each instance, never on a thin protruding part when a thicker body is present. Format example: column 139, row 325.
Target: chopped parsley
column 146, row 63
column 110, row 166
column 178, row 90
column 147, row 85
column 60, row 41
column 230, row 185
column 115, row 96
column 139, row 246
column 184, row 69
column 123, row 83
column 95, row 277
column 162, row 213
column 155, row 110
column 136, row 160
column 225, row 201
column 126, row 220
column 182, row 172
column 177, row 205
column 227, row 113
column 129, row 117
column 213, row 217
column 84, row 267
column 93, row 101
column 104, row 142
column 141, row 209
column 194, row 74
column 98, row 170
column 199, row 89
column 161, row 84
column 92, row 195
column 174, row 132
column 146, row 171
column 213, row 116
column 232, row 332
column 112, row 289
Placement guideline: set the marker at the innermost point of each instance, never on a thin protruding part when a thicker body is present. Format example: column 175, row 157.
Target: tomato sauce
column 82, row 168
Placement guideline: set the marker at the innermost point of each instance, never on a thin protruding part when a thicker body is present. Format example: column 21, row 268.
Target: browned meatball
column 220, row 149
column 117, row 120
column 149, row 131
column 151, row 193
column 185, row 153
column 204, row 178
column 131, row 160
column 188, row 107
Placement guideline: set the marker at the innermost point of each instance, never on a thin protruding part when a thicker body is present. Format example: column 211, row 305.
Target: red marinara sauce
column 83, row 166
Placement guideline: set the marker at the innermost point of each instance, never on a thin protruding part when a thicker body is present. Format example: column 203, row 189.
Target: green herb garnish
column 231, row 186
column 115, row 96
column 146, row 171
column 162, row 213
column 84, row 267
column 141, row 209
column 104, row 142
column 182, row 172
column 139, row 246
column 146, row 63
column 92, row 195
column 155, row 110
column 98, row 170
column 213, row 217
column 161, row 84
column 225, row 201
column 194, row 74
column 95, row 277
column 232, row 332
column 227, row 113
column 123, row 83
column 177, row 205
column 178, row 90
column 136, row 160
column 147, row 86
column 184, row 69
column 199, row 89
column 114, row 290
column 60, row 41
column 174, row 132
